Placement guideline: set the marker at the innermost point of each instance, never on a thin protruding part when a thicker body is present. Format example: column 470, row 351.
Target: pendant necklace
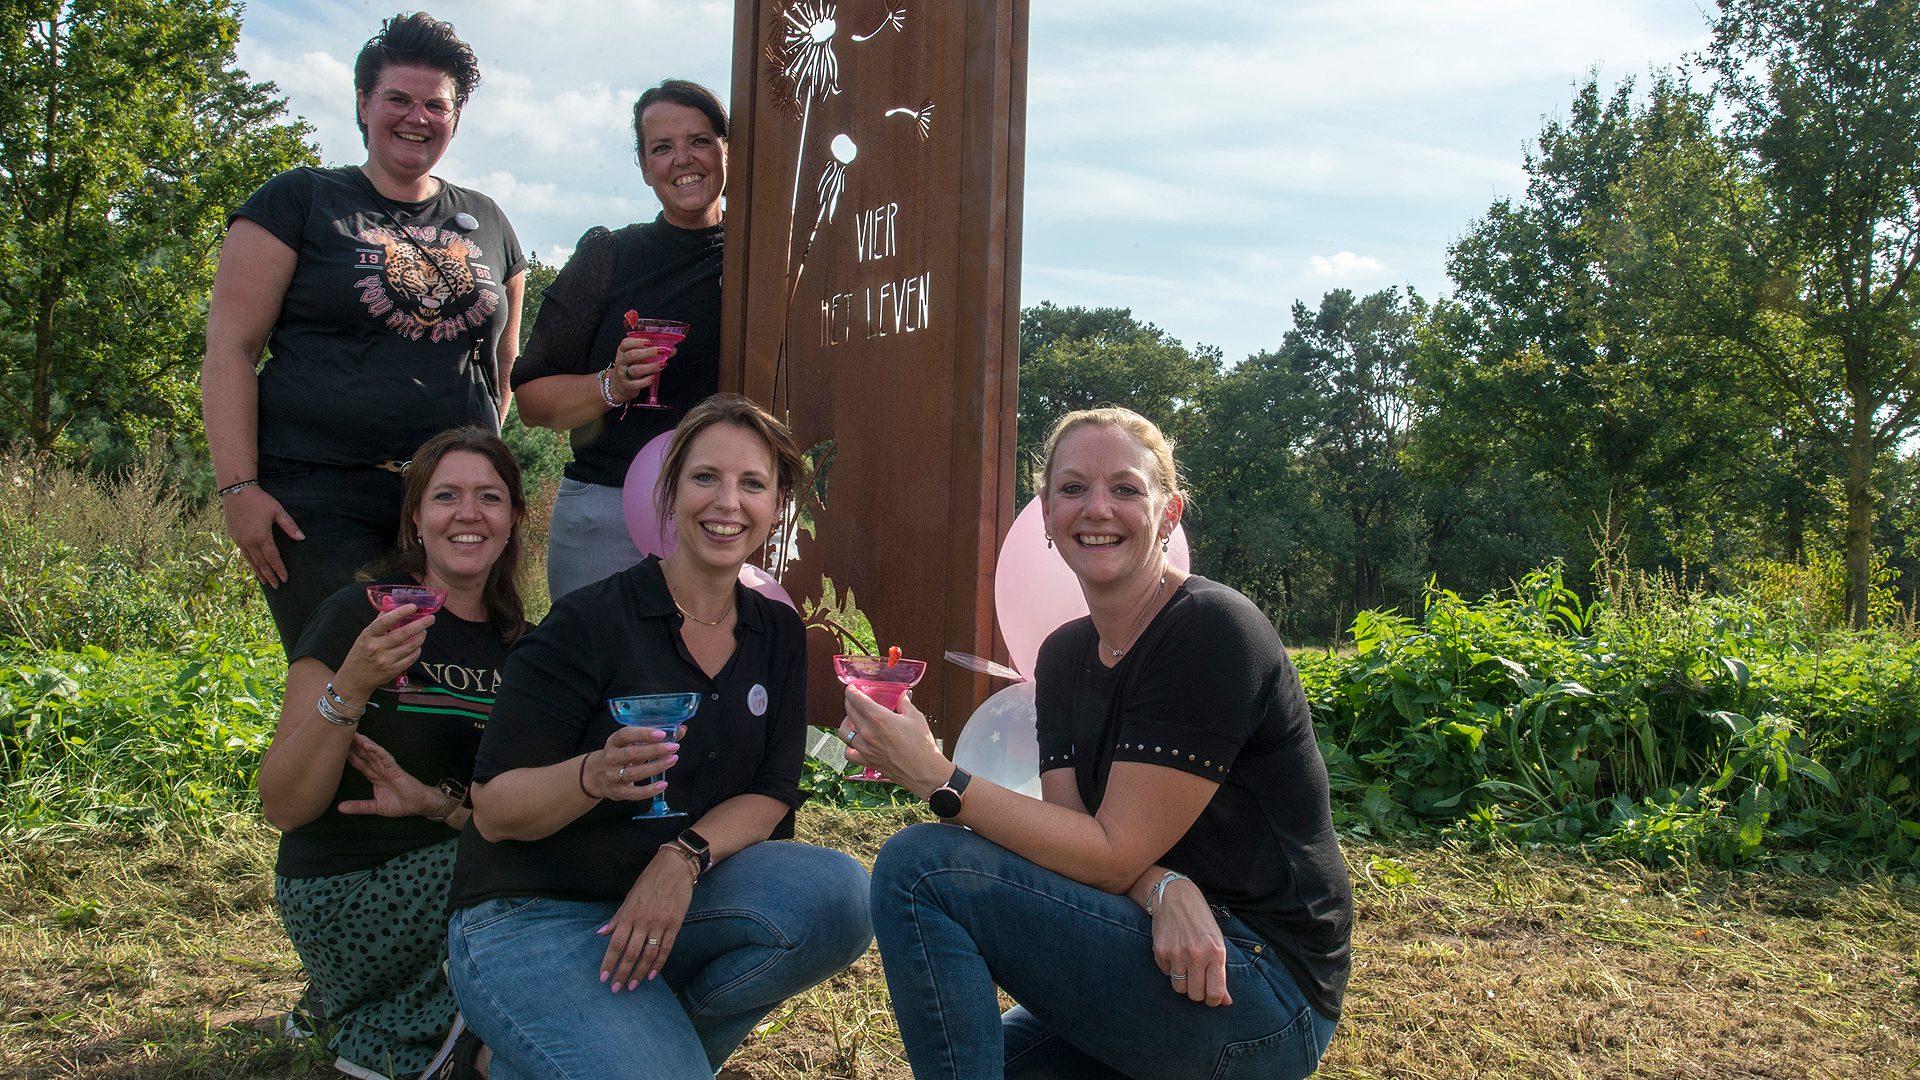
column 698, row 619
column 1139, row 620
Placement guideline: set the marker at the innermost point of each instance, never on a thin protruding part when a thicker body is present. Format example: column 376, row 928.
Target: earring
column 1049, row 541
column 1164, row 541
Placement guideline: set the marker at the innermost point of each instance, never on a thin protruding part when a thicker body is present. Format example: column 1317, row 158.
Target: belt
column 393, row 466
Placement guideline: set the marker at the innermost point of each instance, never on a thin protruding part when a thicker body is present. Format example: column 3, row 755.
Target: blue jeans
column 764, row 925
column 588, row 538
column 956, row 914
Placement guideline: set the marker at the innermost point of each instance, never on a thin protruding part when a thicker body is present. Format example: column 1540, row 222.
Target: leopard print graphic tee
column 371, row 354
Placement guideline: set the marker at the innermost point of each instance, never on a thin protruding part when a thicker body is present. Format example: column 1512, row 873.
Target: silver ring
column 653, row 941
column 623, row 772
column 1181, row 977
column 848, row 735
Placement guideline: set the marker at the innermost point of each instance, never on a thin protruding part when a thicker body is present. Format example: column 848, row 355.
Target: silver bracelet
column 606, row 387
column 334, row 716
column 1160, row 887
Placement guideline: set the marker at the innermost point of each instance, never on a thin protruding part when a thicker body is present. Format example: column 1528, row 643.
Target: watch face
column 945, row 802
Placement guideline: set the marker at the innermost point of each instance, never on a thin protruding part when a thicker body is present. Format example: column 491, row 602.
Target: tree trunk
column 1859, row 516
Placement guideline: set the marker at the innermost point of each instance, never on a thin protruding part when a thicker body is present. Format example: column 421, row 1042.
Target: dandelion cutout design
column 803, row 68
column 833, row 181
column 922, row 116
column 896, row 18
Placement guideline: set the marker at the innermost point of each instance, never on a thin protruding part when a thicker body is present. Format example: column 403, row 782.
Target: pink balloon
column 1034, row 593
column 652, row 534
column 765, row 584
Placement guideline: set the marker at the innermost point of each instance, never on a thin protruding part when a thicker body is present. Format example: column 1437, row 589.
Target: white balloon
column 1000, row 743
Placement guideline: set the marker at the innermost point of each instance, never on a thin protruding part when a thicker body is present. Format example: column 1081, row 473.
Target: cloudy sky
column 1205, row 163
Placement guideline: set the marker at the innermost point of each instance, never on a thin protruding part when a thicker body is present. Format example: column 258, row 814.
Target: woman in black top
column 388, row 303
column 1177, row 904
column 582, row 373
column 584, row 942
column 367, row 784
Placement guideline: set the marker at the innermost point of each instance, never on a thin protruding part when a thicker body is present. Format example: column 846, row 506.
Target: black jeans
column 350, row 517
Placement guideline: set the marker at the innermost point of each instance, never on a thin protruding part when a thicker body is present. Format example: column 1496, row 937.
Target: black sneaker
column 457, row 1055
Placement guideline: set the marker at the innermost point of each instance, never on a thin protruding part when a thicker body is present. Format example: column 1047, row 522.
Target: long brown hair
column 505, row 609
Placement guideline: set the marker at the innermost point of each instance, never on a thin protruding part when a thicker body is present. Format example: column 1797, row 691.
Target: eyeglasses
column 398, row 103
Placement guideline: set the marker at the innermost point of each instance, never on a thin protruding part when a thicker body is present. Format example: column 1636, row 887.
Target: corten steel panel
column 871, row 296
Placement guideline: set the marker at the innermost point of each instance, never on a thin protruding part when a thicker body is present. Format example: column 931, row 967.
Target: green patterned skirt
column 373, row 943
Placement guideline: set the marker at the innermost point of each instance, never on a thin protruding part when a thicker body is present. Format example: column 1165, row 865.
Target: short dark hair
column 505, row 609
column 678, row 92
column 733, row 409
column 420, row 40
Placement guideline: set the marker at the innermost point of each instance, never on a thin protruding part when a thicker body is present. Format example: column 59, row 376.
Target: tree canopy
column 126, row 135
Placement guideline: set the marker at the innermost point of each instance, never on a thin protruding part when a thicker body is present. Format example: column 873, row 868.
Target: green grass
column 158, row 955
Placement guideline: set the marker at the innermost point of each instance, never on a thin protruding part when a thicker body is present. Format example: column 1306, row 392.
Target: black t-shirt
column 614, row 638
column 658, row 271
column 1208, row 690
column 433, row 732
column 373, row 351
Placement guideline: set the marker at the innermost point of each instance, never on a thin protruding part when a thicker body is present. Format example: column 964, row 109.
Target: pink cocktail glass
column 661, row 334
column 884, row 682
column 425, row 598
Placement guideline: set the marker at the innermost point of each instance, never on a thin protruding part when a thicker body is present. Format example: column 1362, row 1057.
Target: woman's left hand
column 642, row 932
column 396, row 792
column 899, row 744
column 1187, row 942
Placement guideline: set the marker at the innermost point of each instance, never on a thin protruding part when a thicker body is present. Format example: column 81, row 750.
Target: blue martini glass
column 662, row 712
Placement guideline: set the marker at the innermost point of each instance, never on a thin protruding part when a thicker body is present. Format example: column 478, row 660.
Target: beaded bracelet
column 241, row 486
column 606, row 387
column 334, row 716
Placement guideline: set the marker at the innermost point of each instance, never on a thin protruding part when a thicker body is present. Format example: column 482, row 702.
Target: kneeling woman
column 1177, row 905
column 586, row 942
column 366, row 783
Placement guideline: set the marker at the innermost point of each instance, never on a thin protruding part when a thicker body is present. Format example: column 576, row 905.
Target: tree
column 126, row 134
column 1079, row 358
column 1538, row 402
column 1826, row 101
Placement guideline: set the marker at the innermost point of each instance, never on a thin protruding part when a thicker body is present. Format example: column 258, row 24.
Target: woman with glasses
column 387, row 304
column 582, row 373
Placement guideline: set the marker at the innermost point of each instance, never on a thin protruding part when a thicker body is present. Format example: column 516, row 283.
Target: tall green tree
column 1078, row 358
column 126, row 134
column 1534, row 404
column 1826, row 109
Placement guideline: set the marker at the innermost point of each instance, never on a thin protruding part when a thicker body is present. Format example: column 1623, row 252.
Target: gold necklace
column 1139, row 620
column 698, row 619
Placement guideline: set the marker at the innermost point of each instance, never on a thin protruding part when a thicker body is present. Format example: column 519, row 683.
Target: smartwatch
column 695, row 847
column 945, row 799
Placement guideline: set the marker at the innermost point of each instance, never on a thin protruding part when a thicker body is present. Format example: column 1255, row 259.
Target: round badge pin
column 757, row 700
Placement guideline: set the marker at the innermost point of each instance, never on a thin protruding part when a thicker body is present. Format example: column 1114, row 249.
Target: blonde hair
column 1145, row 431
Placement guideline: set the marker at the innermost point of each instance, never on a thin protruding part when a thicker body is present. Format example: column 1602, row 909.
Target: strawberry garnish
column 633, row 320
column 893, row 655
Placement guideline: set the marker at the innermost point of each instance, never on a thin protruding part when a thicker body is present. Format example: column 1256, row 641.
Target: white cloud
column 1345, row 266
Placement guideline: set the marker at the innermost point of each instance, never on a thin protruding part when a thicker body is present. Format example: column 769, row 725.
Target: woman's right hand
column 251, row 516
column 626, row 767
column 388, row 646
column 1187, row 942
column 636, row 365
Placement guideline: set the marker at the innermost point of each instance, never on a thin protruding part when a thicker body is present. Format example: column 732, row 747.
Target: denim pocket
column 1286, row 1054
column 570, row 486
column 483, row 915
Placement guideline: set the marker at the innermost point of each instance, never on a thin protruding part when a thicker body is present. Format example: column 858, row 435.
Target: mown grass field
column 161, row 957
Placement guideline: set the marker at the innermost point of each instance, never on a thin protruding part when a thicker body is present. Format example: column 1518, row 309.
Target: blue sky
column 1203, row 163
